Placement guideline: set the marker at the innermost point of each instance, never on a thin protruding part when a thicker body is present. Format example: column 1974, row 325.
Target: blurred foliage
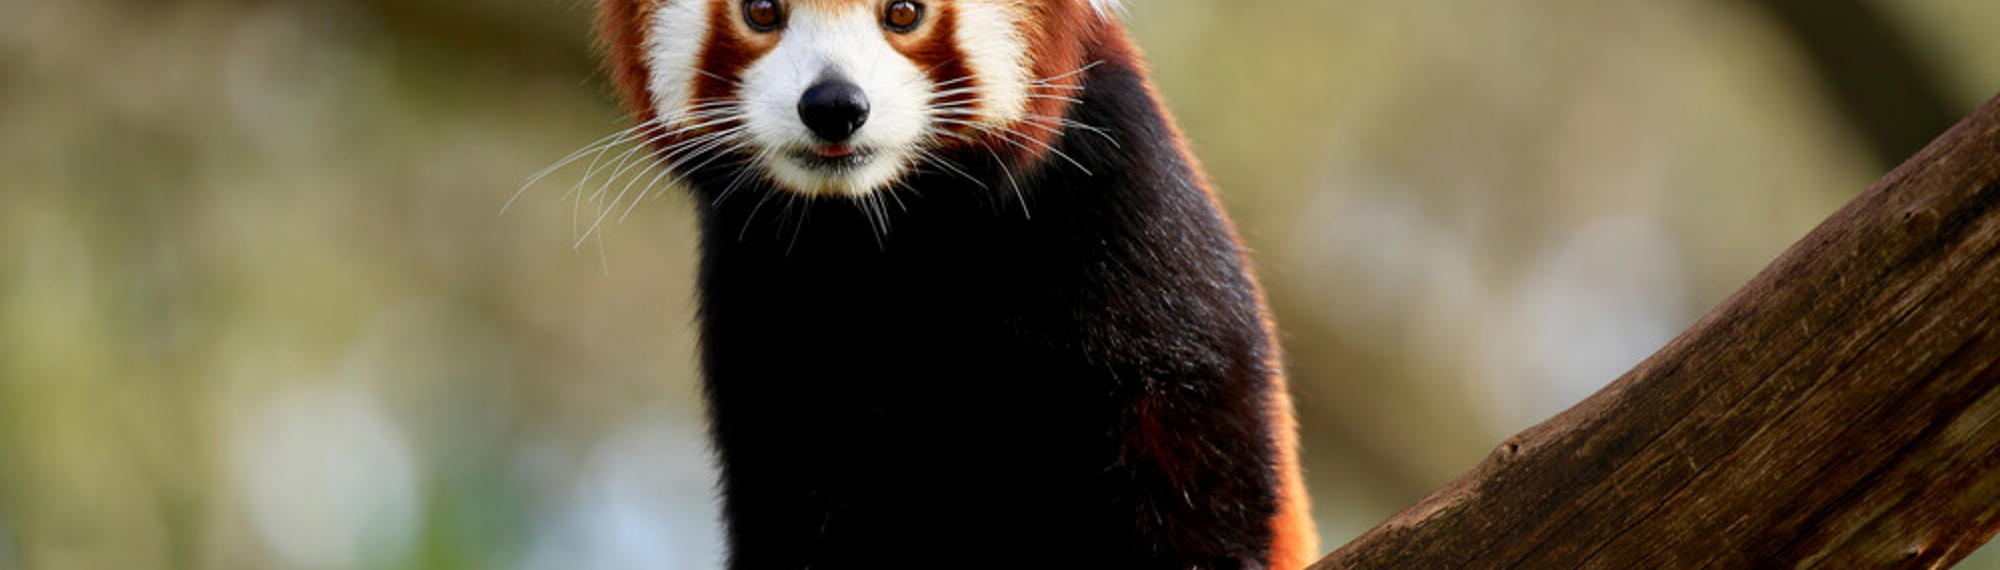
column 259, row 306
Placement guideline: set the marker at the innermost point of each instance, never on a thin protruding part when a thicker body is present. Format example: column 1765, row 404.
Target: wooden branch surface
column 1839, row 411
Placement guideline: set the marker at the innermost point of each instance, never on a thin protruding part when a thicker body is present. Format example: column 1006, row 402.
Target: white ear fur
column 1107, row 7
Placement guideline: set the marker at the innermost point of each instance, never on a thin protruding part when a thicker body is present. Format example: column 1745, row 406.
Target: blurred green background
column 259, row 307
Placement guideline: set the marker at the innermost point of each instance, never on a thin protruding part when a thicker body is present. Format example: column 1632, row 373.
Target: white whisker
column 933, row 158
column 623, row 158
column 742, row 176
column 598, row 147
column 706, row 73
column 716, row 138
column 565, row 160
column 623, row 167
column 1001, row 132
column 1086, row 67
column 657, row 159
column 753, row 215
column 708, row 149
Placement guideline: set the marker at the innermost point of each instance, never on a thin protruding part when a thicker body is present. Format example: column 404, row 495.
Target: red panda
column 965, row 298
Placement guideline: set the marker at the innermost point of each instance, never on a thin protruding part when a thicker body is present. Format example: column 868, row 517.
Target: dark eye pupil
column 904, row 15
column 761, row 13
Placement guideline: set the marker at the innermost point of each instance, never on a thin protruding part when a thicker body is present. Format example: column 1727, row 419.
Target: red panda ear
column 1107, row 7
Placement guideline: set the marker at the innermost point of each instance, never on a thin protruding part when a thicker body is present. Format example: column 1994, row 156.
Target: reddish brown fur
column 933, row 50
column 1058, row 35
column 621, row 33
column 1295, row 540
column 731, row 47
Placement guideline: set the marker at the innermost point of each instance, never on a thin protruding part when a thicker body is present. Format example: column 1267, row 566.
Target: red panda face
column 845, row 97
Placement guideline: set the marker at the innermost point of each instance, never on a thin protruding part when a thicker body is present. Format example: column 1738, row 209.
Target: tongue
column 833, row 151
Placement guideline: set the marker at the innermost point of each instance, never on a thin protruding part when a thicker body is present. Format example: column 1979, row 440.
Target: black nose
column 834, row 109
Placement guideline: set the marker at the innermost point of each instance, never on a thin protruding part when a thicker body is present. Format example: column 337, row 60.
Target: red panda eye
column 903, row 15
column 763, row 15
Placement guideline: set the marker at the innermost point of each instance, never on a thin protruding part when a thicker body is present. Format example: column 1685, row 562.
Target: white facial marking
column 678, row 30
column 845, row 41
column 997, row 54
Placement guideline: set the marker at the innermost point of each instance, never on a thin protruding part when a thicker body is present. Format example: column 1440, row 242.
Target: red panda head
column 845, row 97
